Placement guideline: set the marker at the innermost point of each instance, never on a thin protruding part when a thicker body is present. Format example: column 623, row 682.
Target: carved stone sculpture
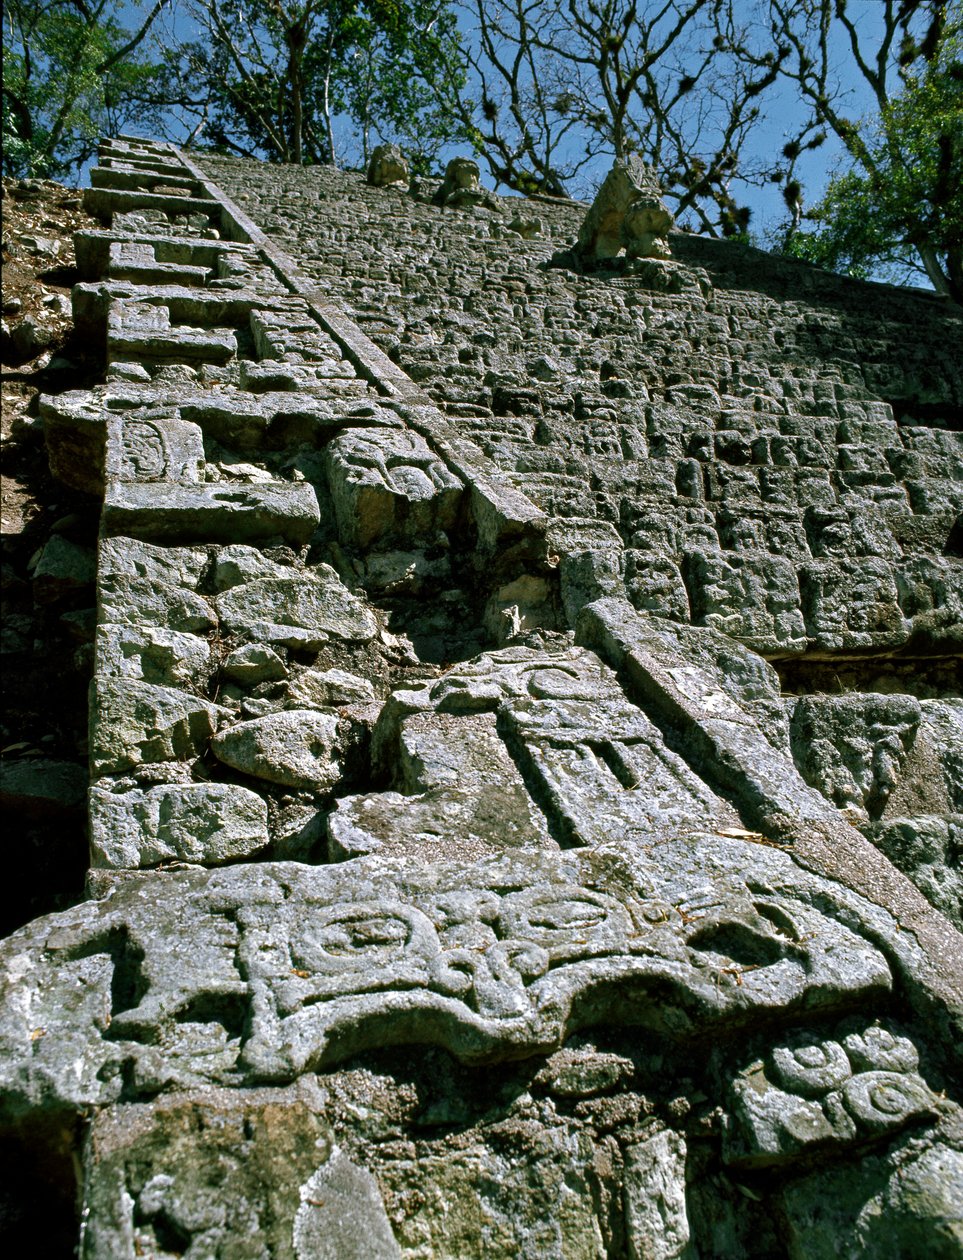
column 388, row 167
column 628, row 214
column 461, row 187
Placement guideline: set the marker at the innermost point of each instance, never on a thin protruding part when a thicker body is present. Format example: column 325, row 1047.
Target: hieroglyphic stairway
column 438, row 906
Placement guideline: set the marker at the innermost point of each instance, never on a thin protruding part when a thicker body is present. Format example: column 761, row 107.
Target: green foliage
column 72, row 72
column 285, row 79
column 898, row 212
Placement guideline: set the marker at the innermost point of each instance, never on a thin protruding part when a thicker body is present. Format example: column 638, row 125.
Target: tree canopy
column 546, row 93
column 895, row 206
column 274, row 78
column 72, row 71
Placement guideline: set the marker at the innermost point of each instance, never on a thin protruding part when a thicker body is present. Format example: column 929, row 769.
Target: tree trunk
column 934, row 271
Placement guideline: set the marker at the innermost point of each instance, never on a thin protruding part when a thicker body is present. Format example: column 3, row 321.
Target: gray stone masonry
column 526, row 782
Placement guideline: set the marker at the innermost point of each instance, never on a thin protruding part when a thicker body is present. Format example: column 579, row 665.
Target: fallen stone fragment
column 255, row 663
column 329, row 687
column 295, row 748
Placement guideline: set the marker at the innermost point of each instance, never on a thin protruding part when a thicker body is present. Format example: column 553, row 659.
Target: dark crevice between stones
column 927, row 678
column 560, row 828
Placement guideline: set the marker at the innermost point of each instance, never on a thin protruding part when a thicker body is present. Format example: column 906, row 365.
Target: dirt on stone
column 48, row 598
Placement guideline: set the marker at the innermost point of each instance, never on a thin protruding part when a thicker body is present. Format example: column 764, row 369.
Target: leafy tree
column 897, row 207
column 72, row 72
column 280, row 78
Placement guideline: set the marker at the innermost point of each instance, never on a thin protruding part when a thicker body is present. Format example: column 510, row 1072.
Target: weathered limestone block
column 734, row 670
column 932, row 778
column 304, row 610
column 484, row 1198
column 197, row 325
column 99, row 252
column 931, row 595
column 628, row 213
column 835, row 532
column 124, row 175
column 257, row 972
column 656, row 1225
column 851, row 604
column 144, row 448
column 224, row 1173
column 853, row 748
column 315, row 688
column 389, row 486
column 722, row 736
column 207, row 823
column 239, row 563
column 75, row 434
column 142, row 601
column 210, row 512
column 655, row 586
column 452, row 824
column 929, row 849
column 152, row 654
column 903, row 1203
column 463, row 797
column 388, row 167
column 510, row 527
column 132, row 557
column 296, row 748
column 294, row 336
column 587, row 575
column 235, row 418
column 137, row 723
column 751, row 597
column 140, row 331
column 138, row 261
column 596, row 765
